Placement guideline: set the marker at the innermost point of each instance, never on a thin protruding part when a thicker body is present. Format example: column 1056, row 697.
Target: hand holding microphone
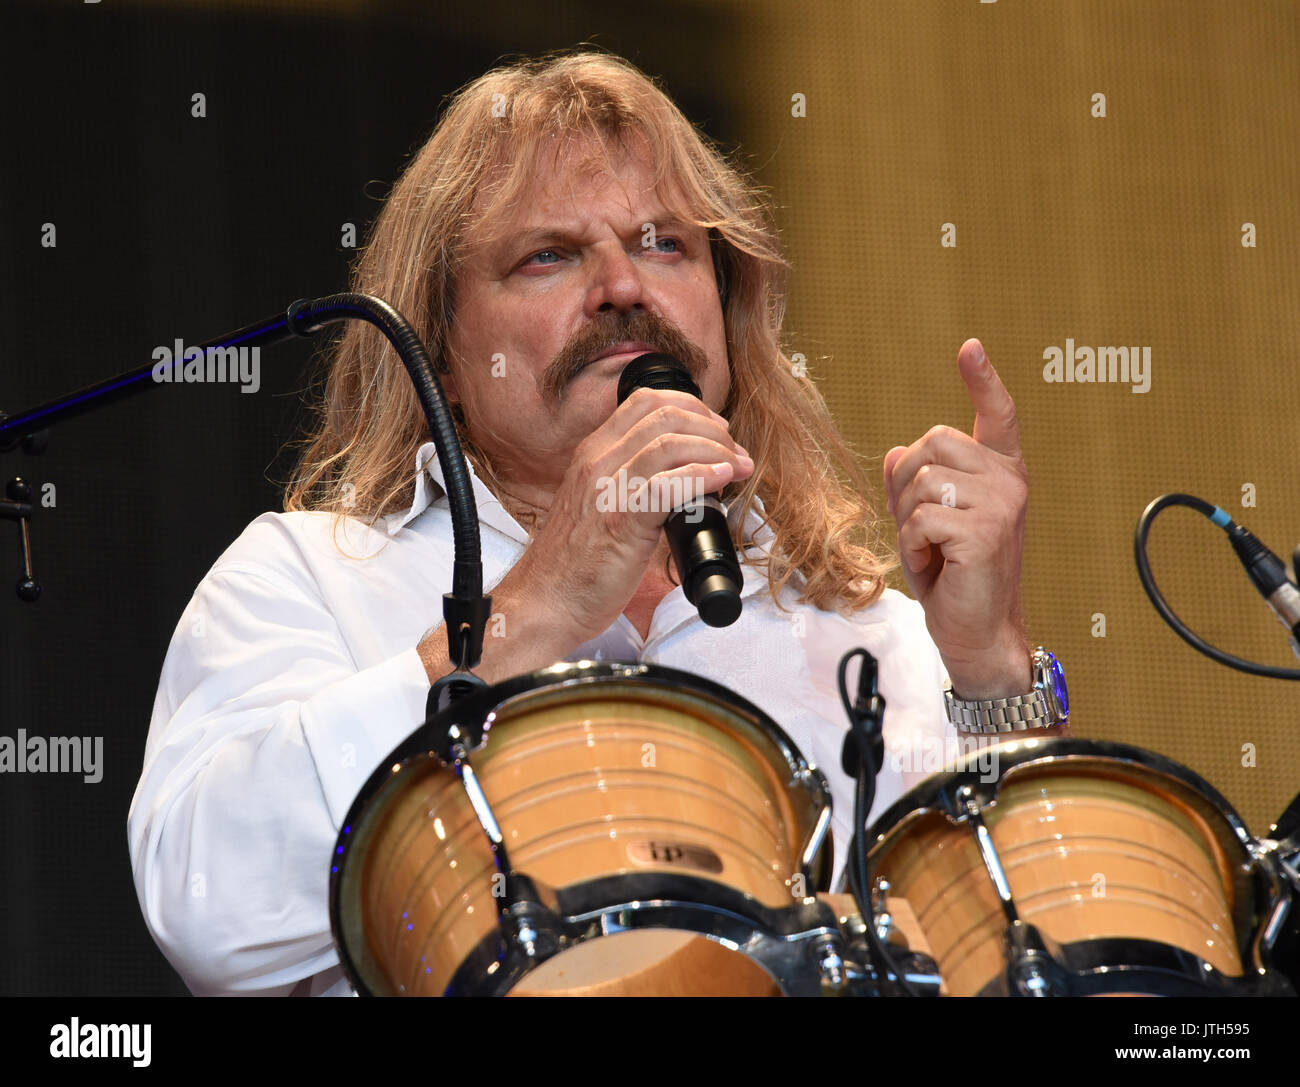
column 697, row 530
column 589, row 556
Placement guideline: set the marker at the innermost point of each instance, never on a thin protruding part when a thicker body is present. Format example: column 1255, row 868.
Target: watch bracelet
column 1016, row 713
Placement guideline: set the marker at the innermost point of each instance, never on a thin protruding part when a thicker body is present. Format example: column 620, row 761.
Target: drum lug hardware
column 477, row 799
column 529, row 923
column 526, row 922
column 1265, row 851
column 526, row 936
column 828, row 953
column 921, row 972
column 863, row 978
column 970, row 800
column 992, row 862
column 532, row 935
column 1032, row 969
column 813, row 848
column 464, row 736
column 880, row 887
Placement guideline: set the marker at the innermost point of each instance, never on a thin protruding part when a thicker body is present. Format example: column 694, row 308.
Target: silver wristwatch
column 1046, row 706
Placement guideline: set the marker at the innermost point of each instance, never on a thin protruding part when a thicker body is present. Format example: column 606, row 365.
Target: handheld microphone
column 697, row 530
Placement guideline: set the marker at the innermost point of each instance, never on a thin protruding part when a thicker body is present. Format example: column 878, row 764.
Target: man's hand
column 656, row 450
column 599, row 535
column 959, row 501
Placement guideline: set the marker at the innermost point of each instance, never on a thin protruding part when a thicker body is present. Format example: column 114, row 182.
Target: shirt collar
column 430, row 488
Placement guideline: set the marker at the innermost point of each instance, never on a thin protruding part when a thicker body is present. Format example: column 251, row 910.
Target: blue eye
column 543, row 253
column 676, row 245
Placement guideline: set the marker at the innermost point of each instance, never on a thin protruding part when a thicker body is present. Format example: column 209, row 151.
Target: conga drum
column 1138, row 875
column 672, row 837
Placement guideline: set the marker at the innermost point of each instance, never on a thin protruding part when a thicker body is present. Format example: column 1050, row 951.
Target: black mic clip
column 466, row 622
column 864, row 743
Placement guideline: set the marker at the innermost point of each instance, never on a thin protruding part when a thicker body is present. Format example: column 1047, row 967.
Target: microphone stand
column 465, row 608
column 862, row 757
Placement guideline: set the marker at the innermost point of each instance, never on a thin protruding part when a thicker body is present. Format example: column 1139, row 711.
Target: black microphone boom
column 465, row 608
column 697, row 530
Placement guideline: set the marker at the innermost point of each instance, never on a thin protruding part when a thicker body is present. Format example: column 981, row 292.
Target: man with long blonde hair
column 563, row 218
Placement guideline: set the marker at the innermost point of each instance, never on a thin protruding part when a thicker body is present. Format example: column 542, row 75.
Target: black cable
column 864, row 795
column 466, row 609
column 1245, row 545
column 307, row 316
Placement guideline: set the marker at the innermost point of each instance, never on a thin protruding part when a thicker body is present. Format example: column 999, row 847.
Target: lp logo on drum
column 675, row 855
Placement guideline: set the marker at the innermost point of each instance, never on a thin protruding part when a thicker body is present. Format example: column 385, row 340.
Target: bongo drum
column 1137, row 875
column 668, row 836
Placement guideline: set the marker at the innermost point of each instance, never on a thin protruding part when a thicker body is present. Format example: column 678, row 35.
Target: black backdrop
column 167, row 226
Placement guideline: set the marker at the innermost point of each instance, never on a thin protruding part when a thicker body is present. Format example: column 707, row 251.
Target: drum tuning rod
column 527, row 923
column 477, row 799
column 966, row 797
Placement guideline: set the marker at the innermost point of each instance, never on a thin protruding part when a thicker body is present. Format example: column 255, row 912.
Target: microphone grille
column 655, row 371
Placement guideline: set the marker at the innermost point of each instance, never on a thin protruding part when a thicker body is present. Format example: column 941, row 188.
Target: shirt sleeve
column 264, row 729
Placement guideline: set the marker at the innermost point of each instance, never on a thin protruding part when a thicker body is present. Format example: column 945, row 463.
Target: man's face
column 549, row 312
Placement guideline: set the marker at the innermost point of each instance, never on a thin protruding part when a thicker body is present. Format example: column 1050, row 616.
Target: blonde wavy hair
column 368, row 426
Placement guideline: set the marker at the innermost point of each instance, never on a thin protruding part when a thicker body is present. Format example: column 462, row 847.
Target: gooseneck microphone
column 696, row 530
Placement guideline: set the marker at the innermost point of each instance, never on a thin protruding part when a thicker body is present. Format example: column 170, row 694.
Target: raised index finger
column 995, row 411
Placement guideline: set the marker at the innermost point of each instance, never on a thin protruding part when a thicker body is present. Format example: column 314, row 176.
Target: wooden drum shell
column 586, row 781
column 1093, row 847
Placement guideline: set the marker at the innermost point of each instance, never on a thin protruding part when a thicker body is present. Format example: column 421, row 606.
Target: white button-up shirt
column 294, row 671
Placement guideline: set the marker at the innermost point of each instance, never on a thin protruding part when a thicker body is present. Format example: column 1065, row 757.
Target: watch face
column 1057, row 695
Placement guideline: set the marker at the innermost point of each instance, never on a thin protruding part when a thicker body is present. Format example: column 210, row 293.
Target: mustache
column 608, row 330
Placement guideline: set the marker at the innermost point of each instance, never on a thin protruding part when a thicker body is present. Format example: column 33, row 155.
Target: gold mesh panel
column 1116, row 230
